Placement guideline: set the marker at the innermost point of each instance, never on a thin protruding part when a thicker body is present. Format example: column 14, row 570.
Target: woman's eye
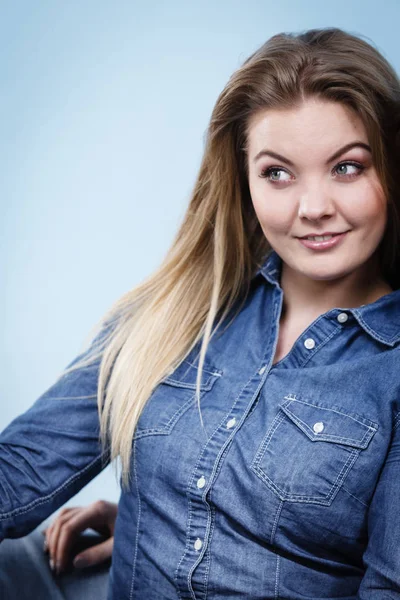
column 348, row 169
column 275, row 174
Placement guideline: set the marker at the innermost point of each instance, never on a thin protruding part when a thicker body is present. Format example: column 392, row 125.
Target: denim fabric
column 291, row 490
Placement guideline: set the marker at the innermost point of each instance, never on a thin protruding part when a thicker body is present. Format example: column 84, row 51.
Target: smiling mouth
column 322, row 242
column 322, row 237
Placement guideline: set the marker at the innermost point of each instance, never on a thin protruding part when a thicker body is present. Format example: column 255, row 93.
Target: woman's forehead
column 315, row 126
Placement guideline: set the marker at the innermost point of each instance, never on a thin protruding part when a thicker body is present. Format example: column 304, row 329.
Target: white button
column 231, row 423
column 318, row 427
column 262, row 370
column 309, row 343
column 342, row 318
column 201, row 482
column 198, row 544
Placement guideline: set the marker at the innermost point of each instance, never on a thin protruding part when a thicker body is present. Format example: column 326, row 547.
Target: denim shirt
column 290, row 490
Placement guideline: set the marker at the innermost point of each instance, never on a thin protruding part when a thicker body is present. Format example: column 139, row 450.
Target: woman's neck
column 310, row 297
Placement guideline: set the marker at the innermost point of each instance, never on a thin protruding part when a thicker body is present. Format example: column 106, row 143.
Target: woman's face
column 310, row 174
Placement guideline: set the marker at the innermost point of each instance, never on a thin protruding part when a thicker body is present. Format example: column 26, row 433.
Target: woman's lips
column 325, row 245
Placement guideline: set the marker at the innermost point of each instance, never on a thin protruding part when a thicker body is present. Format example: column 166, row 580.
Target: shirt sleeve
column 382, row 556
column 50, row 452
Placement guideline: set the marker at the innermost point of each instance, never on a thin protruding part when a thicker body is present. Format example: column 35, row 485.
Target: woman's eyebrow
column 338, row 153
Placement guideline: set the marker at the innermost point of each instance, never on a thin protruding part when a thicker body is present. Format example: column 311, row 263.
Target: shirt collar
column 379, row 319
column 271, row 268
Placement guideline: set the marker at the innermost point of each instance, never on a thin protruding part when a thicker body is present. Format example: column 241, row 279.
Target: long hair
column 219, row 245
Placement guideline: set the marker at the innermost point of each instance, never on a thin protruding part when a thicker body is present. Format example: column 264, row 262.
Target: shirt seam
column 24, row 509
column 138, row 523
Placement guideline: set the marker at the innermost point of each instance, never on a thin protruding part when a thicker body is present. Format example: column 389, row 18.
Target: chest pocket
column 173, row 397
column 309, row 450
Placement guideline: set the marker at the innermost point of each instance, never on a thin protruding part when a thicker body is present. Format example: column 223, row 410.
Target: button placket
column 191, row 573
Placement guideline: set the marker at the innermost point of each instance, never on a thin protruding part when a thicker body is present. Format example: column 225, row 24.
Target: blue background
column 104, row 107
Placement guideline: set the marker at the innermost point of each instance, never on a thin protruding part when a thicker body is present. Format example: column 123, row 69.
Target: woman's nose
column 315, row 204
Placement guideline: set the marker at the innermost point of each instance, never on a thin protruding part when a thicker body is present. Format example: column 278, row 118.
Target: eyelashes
column 359, row 168
column 269, row 171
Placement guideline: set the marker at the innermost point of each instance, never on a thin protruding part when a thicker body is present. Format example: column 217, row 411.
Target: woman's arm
column 50, row 452
column 382, row 556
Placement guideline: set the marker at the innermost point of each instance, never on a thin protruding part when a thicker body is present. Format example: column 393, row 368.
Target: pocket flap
column 327, row 424
column 186, row 374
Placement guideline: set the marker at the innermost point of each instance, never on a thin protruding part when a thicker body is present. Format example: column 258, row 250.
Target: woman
column 250, row 387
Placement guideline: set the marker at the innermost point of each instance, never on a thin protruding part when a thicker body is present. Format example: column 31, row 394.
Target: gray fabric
column 25, row 573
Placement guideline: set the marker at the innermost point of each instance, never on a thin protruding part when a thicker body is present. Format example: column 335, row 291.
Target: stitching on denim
column 189, row 582
column 231, row 410
column 330, row 437
column 24, row 509
column 216, row 372
column 188, row 526
column 277, row 573
column 216, row 466
column 176, row 578
column 6, row 494
column 264, row 444
column 170, row 424
column 138, row 522
column 167, row 428
column 320, row 345
column 323, row 500
column 217, row 462
column 390, row 341
column 346, row 467
column 275, row 525
column 344, row 488
column 189, row 521
column 220, row 458
column 203, row 554
column 213, row 375
column 70, row 397
column 206, row 539
column 360, row 419
column 208, row 563
column 207, row 386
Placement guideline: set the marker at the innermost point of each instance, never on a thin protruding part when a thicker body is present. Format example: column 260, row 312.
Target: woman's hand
column 67, row 527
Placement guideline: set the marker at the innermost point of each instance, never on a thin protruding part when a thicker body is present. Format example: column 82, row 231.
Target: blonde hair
column 219, row 245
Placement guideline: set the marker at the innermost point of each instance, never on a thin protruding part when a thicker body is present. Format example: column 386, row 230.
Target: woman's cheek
column 365, row 204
